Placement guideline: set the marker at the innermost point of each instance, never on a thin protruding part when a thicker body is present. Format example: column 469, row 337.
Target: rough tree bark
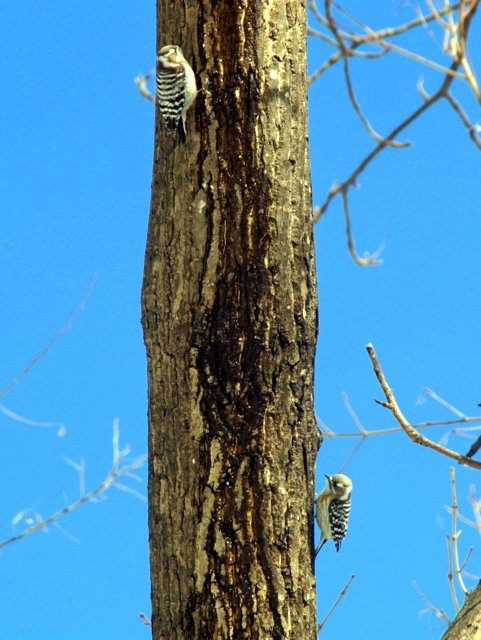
column 467, row 624
column 229, row 317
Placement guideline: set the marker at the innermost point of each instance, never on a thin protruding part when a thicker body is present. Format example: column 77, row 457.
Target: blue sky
column 76, row 168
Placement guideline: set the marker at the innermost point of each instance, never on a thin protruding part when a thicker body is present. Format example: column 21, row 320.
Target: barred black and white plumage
column 333, row 506
column 339, row 511
column 176, row 87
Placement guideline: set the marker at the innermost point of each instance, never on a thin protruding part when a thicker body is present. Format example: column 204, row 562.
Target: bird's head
column 170, row 57
column 340, row 486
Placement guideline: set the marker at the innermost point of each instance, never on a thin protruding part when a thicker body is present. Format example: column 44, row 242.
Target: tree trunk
column 229, row 318
column 467, row 624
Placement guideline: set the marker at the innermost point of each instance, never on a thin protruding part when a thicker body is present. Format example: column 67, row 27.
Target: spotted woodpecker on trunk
column 333, row 506
column 176, row 87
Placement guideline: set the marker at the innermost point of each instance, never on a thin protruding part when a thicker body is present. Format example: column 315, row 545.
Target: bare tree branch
column 115, row 472
column 471, row 128
column 147, row 622
column 350, row 90
column 339, row 598
column 62, row 331
column 364, row 433
column 455, row 536
column 374, row 38
column 347, row 44
column 439, row 613
column 328, row 433
column 450, row 575
column 410, row 431
column 344, row 187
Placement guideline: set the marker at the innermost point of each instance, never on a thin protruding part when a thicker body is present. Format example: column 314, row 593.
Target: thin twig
column 145, row 619
column 322, row 427
column 421, row 21
column 335, row 57
column 318, row 15
column 32, row 423
column 444, row 403
column 351, row 455
column 116, row 472
column 368, row 260
column 328, row 433
column 374, row 38
column 456, row 533
column 352, row 413
column 468, row 555
column 61, row 332
column 344, row 187
column 339, row 598
column 347, row 42
column 437, row 612
column 350, row 90
column 321, row 36
column 463, row 432
column 358, row 423
column 471, row 128
column 465, row 520
column 412, row 433
column 476, row 505
column 457, row 50
column 450, row 575
column 325, row 431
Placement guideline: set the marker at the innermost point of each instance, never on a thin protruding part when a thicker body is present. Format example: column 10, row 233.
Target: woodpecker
column 176, row 87
column 333, row 505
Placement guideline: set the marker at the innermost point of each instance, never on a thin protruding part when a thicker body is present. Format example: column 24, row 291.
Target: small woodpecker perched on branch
column 333, row 506
column 176, row 87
